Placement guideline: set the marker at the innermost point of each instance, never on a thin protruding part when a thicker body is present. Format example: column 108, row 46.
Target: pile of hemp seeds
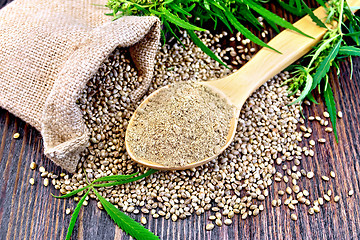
column 269, row 132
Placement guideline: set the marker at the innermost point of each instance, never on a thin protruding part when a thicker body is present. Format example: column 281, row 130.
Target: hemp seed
column 32, row 165
column 209, row 227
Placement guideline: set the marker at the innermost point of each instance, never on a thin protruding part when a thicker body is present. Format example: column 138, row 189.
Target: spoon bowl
column 238, row 86
column 145, row 162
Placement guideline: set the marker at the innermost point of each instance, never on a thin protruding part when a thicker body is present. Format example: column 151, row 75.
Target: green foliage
column 75, row 215
column 189, row 14
column 331, row 107
column 337, row 44
column 126, row 223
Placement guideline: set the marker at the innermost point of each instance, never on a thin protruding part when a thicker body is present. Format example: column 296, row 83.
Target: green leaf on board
column 126, row 223
column 75, row 215
column 291, row 9
column 176, row 8
column 71, row 193
column 305, row 91
column 353, row 34
column 247, row 33
column 311, row 98
column 149, row 172
column 331, row 108
column 206, row 5
column 115, row 178
column 273, row 17
column 180, row 22
column 204, row 48
column 313, row 16
column 166, row 24
column 322, row 3
column 324, row 67
column 222, row 17
column 320, row 49
column 349, row 51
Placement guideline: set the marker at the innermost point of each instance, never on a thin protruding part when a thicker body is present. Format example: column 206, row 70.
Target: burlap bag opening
column 48, row 52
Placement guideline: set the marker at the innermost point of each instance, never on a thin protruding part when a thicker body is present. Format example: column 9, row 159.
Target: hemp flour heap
column 181, row 124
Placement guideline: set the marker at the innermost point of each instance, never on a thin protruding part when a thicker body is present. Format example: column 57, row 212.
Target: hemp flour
column 182, row 124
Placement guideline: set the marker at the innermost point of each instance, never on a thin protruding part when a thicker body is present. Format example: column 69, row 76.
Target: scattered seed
column 143, row 221
column 32, row 165
column 332, row 174
column 316, row 209
column 299, row 195
column 228, row 221
column 294, row 217
column 212, row 217
column 291, row 206
column 326, row 197
column 302, row 200
column 303, row 128
column 311, row 211
column 351, row 192
column 321, row 140
column 328, row 129
column 337, row 198
column 340, row 114
column 306, row 193
column 286, row 179
column 329, row 192
column 310, row 175
column 307, row 135
column 46, row 182
column 321, row 201
column 209, row 227
column 288, row 190
column 16, row 135
column 68, row 211
column 32, row 181
column 312, row 142
column 325, row 178
column 296, row 188
column 311, row 118
column 218, row 222
column 326, row 114
column 42, row 169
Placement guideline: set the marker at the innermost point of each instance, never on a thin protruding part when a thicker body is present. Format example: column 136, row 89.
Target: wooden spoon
column 237, row 87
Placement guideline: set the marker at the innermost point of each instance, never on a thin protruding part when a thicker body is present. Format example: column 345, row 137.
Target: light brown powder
column 184, row 123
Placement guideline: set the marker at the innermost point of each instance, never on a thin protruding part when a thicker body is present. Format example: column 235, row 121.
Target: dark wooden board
column 29, row 212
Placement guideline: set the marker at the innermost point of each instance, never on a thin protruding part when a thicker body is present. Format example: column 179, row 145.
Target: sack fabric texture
column 48, row 52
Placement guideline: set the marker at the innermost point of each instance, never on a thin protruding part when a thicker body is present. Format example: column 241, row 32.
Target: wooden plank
column 29, row 212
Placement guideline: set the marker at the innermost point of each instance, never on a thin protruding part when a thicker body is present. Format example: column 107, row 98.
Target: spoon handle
column 267, row 63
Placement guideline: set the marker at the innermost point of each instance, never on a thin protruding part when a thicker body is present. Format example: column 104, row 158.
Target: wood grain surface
column 30, row 212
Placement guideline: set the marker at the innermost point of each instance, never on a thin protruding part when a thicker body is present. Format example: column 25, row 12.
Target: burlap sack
column 49, row 50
